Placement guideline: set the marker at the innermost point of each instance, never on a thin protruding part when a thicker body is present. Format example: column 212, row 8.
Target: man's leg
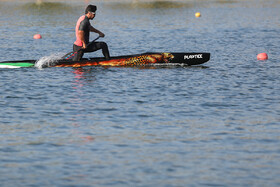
column 99, row 45
column 79, row 54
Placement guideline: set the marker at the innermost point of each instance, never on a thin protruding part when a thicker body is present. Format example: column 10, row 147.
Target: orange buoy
column 262, row 56
column 37, row 36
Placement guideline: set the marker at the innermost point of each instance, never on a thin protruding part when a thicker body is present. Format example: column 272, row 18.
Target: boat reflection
column 83, row 76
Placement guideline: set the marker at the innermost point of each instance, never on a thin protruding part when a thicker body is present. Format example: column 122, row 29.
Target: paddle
column 71, row 55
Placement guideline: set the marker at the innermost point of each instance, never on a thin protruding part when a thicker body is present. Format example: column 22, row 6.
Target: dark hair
column 90, row 8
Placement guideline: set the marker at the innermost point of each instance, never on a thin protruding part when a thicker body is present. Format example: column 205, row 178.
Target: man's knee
column 103, row 45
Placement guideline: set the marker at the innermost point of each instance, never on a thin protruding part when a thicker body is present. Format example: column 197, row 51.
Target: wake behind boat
column 145, row 59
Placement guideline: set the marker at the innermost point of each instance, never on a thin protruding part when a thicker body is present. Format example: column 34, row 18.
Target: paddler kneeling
column 83, row 29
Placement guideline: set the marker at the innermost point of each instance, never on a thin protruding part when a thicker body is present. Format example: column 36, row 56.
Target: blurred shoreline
column 136, row 1
column 92, row 2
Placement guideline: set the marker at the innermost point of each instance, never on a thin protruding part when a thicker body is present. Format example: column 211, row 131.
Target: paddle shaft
column 90, row 43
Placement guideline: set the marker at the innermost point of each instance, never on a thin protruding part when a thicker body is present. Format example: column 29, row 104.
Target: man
column 83, row 28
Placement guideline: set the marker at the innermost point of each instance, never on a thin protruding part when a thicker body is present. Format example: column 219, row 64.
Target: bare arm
column 101, row 34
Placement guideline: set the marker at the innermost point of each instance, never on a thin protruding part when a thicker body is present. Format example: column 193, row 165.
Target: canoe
column 145, row 59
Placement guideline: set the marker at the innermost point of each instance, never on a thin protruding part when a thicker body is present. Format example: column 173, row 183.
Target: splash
column 48, row 61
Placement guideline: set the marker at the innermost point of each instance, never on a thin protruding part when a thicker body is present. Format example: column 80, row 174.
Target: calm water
column 217, row 125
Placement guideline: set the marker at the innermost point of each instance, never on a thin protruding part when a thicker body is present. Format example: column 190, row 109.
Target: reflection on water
column 84, row 76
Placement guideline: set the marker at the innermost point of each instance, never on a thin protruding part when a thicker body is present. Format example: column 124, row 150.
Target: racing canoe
column 145, row 59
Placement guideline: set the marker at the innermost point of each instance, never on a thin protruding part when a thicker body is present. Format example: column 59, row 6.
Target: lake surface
column 211, row 125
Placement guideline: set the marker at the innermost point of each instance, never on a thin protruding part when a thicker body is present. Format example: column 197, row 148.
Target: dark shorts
column 91, row 48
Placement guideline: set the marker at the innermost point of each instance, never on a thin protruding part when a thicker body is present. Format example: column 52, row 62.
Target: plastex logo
column 192, row 56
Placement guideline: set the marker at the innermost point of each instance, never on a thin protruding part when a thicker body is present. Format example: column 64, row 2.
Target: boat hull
column 144, row 59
